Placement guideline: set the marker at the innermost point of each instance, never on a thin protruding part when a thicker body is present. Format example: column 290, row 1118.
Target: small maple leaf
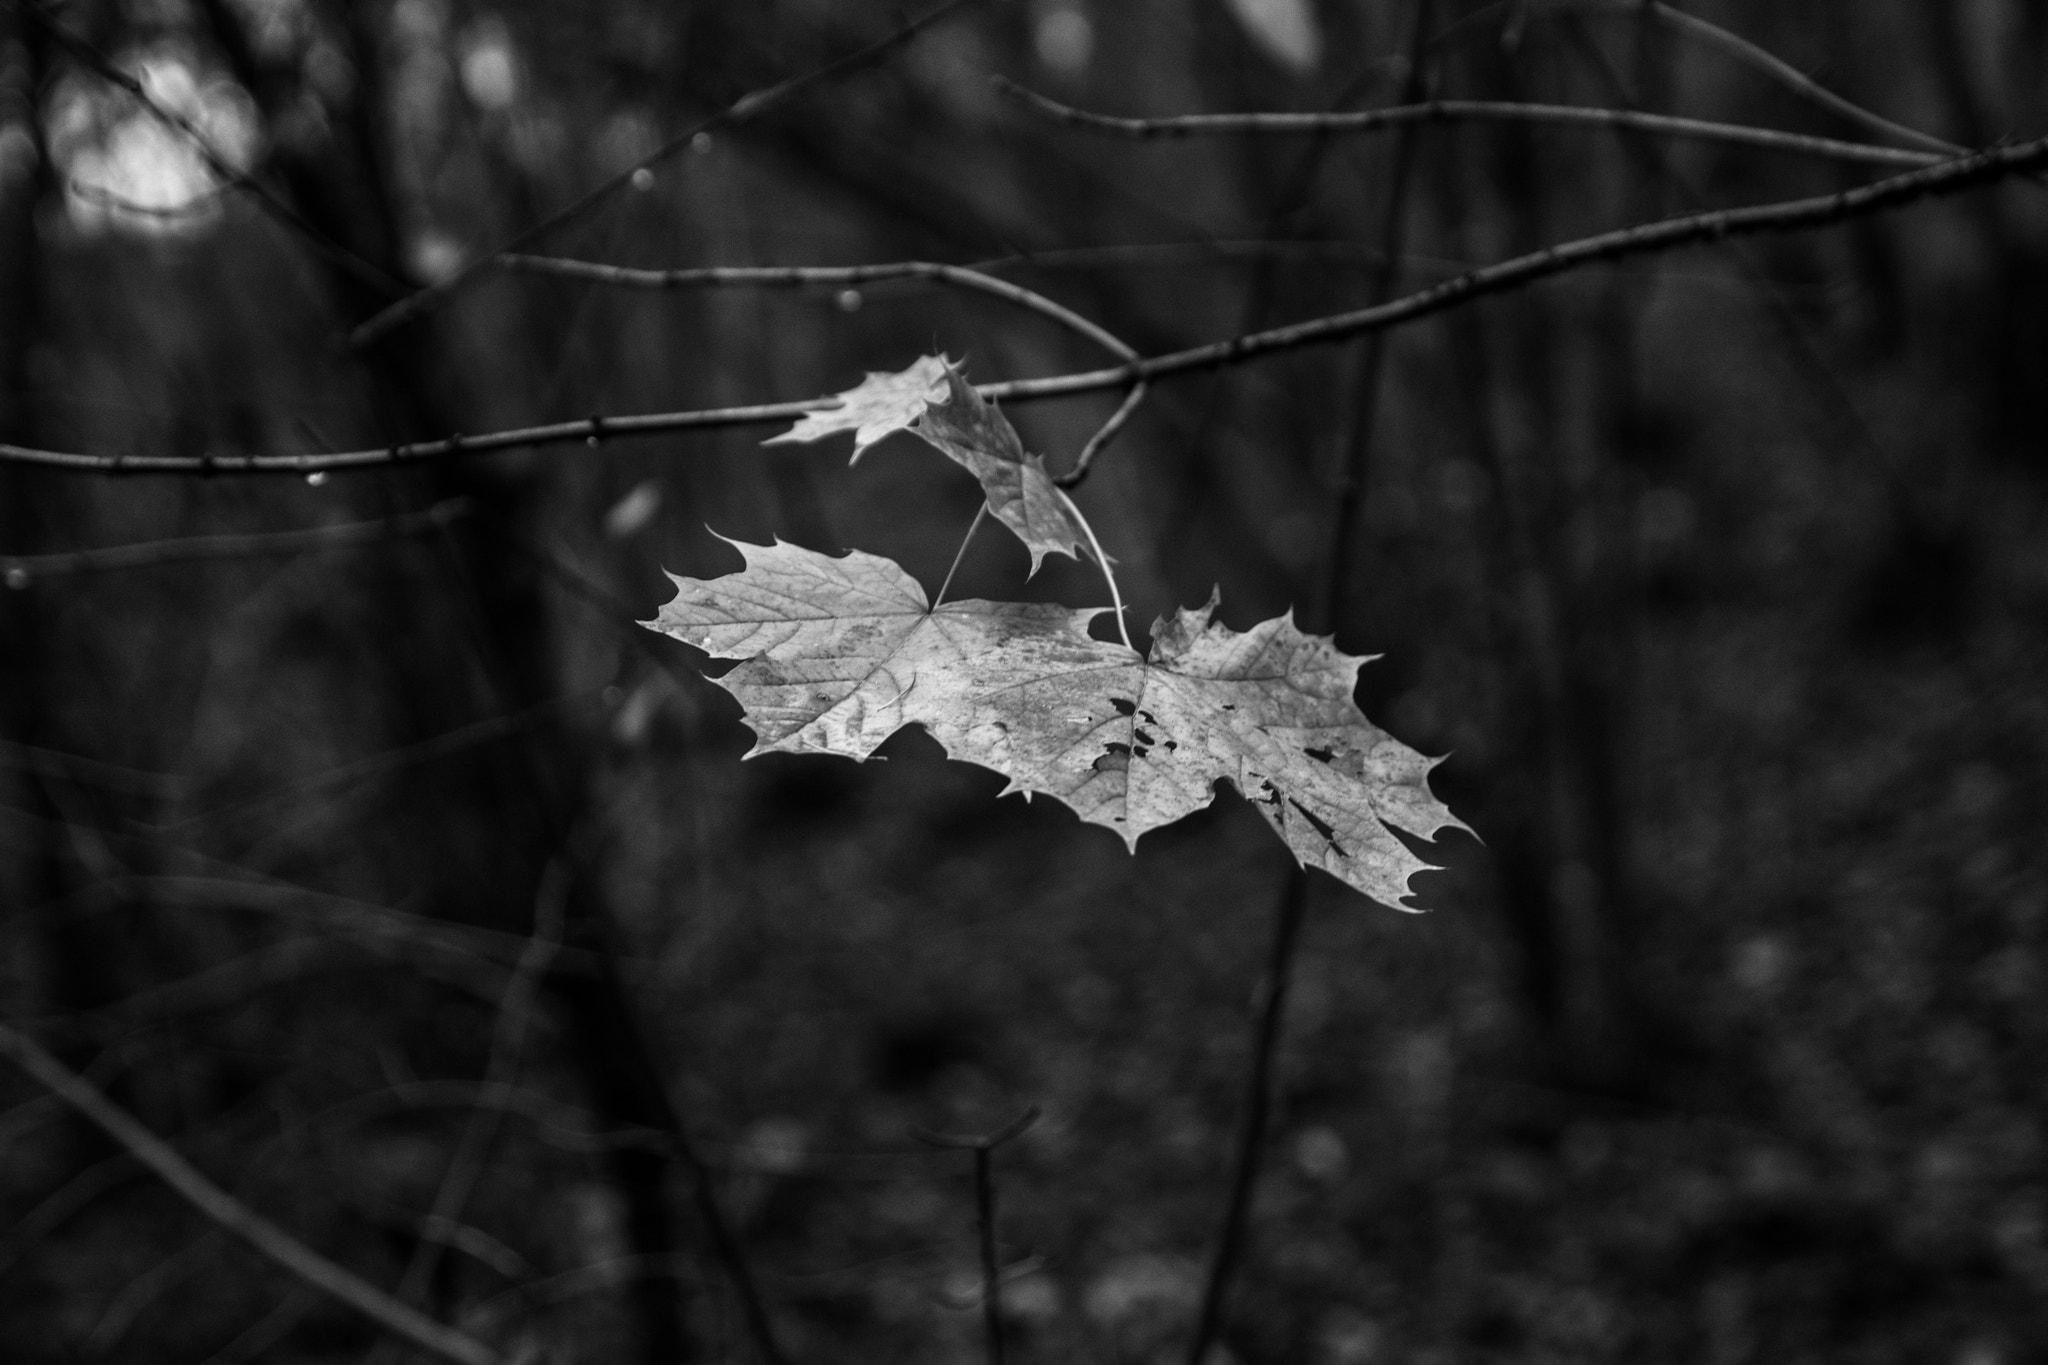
column 840, row 653
column 931, row 400
column 876, row 407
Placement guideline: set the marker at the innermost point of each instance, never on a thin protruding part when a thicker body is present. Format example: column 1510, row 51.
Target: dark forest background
column 391, row 874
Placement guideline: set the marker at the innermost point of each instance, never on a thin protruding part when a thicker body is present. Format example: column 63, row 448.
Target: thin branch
column 1125, row 254
column 1795, row 215
column 1729, row 44
column 980, row 1142
column 1783, row 72
column 812, row 276
column 288, row 1252
column 590, row 430
column 199, row 207
column 19, row 571
column 216, row 162
column 1452, row 110
column 742, row 110
column 1072, row 478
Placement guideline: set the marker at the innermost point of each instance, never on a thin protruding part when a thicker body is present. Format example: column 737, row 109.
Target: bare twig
column 1122, row 255
column 1729, row 44
column 337, row 1282
column 814, row 276
column 18, row 571
column 1457, row 110
column 747, row 107
column 1783, row 72
column 194, row 209
column 1795, row 215
column 980, row 1142
column 983, row 1146
column 1096, row 443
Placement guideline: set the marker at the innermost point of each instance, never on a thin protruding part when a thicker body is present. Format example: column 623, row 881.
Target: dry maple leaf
column 840, row 653
column 931, row 400
column 880, row 404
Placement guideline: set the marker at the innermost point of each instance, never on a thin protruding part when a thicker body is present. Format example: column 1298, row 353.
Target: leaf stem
column 980, row 514
column 1115, row 597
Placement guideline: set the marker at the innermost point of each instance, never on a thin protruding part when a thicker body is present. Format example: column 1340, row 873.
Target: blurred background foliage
column 1721, row 576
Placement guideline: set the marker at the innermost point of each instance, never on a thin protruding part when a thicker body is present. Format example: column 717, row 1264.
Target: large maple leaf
column 931, row 400
column 840, row 653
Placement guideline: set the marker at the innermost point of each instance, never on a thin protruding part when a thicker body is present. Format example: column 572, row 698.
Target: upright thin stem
column 1271, row 1006
column 1326, row 611
column 980, row 514
column 991, row 1284
column 983, row 1146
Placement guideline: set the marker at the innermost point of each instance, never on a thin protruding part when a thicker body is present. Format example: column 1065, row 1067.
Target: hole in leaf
column 1118, row 748
column 1141, row 736
column 1321, row 755
column 1149, row 718
column 1123, row 705
column 1323, row 827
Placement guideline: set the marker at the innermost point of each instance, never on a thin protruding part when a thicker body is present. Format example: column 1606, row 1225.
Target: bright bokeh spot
column 125, row 168
column 1285, row 30
column 490, row 68
column 1064, row 38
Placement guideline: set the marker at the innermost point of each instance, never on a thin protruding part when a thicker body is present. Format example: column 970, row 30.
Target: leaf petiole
column 1115, row 597
column 960, row 554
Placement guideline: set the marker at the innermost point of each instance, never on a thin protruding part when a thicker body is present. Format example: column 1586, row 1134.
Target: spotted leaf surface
column 837, row 654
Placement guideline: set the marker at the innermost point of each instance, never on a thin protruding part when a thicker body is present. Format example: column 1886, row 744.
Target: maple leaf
column 840, row 653
column 932, row 400
column 880, row 404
